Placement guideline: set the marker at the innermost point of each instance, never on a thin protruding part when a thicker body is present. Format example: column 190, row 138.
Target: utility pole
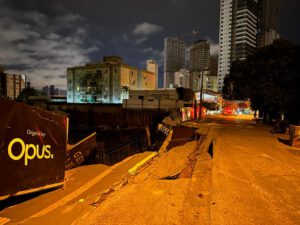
column 201, row 95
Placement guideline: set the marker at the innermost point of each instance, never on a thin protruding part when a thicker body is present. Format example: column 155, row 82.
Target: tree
column 27, row 92
column 185, row 94
column 270, row 78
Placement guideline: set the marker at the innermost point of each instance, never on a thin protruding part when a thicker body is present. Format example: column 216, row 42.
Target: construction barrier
column 77, row 154
column 32, row 148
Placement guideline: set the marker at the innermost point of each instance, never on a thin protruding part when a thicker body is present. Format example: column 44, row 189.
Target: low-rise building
column 165, row 99
column 209, row 96
column 106, row 82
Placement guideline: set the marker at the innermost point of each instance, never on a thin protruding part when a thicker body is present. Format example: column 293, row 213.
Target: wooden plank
column 83, row 140
column 148, row 135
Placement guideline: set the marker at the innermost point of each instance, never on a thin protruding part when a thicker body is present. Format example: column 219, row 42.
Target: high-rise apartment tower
column 244, row 29
column 174, row 54
column 199, row 62
column 237, row 36
column 225, row 39
column 268, row 20
column 199, row 55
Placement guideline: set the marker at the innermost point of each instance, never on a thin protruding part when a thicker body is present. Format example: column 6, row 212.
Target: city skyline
column 76, row 35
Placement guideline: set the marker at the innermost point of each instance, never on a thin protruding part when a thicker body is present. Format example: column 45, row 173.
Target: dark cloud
column 46, row 37
column 40, row 46
column 146, row 29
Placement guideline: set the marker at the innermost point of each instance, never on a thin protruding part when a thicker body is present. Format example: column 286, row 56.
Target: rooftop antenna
column 194, row 33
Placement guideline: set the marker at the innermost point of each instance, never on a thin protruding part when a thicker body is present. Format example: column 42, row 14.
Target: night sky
column 41, row 38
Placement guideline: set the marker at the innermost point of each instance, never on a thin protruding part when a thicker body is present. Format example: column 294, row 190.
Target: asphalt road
column 255, row 176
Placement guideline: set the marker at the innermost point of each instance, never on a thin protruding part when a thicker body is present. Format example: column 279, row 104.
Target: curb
column 134, row 169
column 77, row 192
column 199, row 189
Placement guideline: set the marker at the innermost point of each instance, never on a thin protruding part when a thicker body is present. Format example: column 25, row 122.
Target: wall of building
column 105, row 82
column 182, row 78
column 164, row 99
column 268, row 20
column 11, row 85
column 225, row 39
column 89, row 84
column 213, row 65
column 244, row 29
column 152, row 66
column 238, row 33
column 199, row 55
column 153, row 104
column 146, row 80
column 211, row 83
column 165, row 94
